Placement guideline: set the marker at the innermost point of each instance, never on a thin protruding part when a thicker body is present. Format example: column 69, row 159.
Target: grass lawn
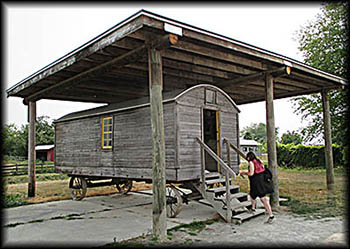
column 52, row 187
column 306, row 191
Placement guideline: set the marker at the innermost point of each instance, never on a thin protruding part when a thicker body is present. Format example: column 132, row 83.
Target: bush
column 309, row 156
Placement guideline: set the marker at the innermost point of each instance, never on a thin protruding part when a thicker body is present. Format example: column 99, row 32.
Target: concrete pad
column 337, row 239
column 94, row 221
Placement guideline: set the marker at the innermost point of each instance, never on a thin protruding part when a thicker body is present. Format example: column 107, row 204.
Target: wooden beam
column 243, row 48
column 311, row 79
column 271, row 139
column 291, row 82
column 179, row 73
column 158, row 144
column 218, row 54
column 253, row 77
column 120, row 31
column 328, row 142
column 31, row 148
column 122, row 60
column 206, row 62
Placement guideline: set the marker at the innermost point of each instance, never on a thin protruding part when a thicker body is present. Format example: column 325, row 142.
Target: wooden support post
column 328, row 143
column 31, row 148
column 158, row 145
column 271, row 139
column 203, row 170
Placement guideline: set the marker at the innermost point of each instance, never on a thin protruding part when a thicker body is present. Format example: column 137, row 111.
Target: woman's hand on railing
column 241, row 174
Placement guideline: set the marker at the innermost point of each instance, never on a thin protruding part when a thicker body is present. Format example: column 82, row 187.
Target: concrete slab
column 94, row 221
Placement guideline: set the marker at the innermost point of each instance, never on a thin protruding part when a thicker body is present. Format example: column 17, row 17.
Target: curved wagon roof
column 137, row 103
column 113, row 67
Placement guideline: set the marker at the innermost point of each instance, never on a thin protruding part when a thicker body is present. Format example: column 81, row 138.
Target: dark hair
column 251, row 156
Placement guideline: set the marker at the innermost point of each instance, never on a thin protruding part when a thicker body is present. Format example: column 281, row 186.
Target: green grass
column 310, row 210
column 149, row 240
column 39, row 178
column 306, row 191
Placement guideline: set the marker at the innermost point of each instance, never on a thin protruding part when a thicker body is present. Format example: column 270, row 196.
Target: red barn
column 45, row 152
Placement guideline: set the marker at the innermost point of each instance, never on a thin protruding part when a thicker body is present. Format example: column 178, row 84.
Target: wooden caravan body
column 115, row 141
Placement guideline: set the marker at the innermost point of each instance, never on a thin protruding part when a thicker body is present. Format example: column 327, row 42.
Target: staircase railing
column 228, row 172
column 228, row 145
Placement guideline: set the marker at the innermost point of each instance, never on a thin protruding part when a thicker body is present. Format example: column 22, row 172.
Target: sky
column 37, row 34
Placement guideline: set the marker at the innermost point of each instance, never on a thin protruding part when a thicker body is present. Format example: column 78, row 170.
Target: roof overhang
column 113, row 67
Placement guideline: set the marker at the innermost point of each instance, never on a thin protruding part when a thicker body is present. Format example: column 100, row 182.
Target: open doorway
column 211, row 137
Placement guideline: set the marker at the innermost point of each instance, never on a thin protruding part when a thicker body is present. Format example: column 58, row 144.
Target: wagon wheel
column 77, row 188
column 173, row 201
column 124, row 186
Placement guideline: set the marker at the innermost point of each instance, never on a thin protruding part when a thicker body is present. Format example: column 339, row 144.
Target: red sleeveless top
column 258, row 167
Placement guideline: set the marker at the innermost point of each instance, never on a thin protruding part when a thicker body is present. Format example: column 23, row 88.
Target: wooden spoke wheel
column 173, row 201
column 124, row 186
column 77, row 188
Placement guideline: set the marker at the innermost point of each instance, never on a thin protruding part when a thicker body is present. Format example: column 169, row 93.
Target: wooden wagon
column 114, row 142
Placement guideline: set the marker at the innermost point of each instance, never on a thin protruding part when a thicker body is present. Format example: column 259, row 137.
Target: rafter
column 122, row 60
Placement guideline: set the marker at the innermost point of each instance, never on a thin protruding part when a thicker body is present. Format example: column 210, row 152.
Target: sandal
column 270, row 220
column 251, row 210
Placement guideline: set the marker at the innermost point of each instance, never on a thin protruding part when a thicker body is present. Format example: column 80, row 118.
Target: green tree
column 291, row 138
column 323, row 43
column 247, row 135
column 10, row 140
column 45, row 132
column 15, row 140
column 256, row 132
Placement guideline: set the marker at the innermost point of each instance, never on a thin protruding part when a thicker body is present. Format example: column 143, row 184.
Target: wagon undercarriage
column 214, row 189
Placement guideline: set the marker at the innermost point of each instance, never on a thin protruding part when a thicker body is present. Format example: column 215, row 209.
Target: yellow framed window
column 107, row 133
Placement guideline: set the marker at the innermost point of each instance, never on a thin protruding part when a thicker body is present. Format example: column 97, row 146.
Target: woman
column 258, row 186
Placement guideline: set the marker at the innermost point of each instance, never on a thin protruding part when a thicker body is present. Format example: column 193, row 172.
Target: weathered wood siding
column 78, row 141
column 189, row 126
column 229, row 129
column 133, row 140
column 78, row 145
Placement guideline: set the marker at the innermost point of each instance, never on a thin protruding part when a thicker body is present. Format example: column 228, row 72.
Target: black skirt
column 259, row 186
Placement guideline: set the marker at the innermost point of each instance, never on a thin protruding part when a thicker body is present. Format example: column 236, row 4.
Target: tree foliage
column 291, row 138
column 290, row 155
column 256, row 132
column 15, row 140
column 324, row 46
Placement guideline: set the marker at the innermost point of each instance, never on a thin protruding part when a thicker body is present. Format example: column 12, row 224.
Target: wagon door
column 211, row 136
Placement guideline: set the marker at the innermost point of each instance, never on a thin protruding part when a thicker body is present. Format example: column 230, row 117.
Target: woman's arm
column 251, row 169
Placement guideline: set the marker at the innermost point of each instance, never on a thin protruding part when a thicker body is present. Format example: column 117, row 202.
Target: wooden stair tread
column 218, row 180
column 212, row 175
column 239, row 205
column 222, row 189
column 246, row 215
column 239, row 200
column 205, row 202
column 233, row 196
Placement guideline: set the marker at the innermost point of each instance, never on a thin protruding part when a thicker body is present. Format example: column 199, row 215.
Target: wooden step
column 223, row 189
column 242, row 204
column 214, row 181
column 245, row 216
column 205, row 202
column 212, row 175
column 239, row 195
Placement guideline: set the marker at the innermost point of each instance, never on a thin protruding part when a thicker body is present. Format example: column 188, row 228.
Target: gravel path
column 287, row 231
